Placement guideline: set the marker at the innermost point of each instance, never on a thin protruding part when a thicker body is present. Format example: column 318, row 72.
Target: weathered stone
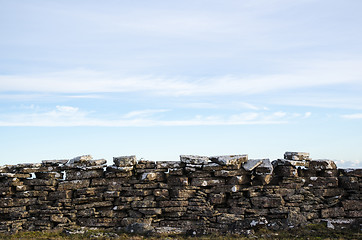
column 177, row 181
column 323, row 181
column 194, row 159
column 286, row 162
column 161, row 193
column 55, row 162
column 204, row 182
column 267, row 202
column 125, row 161
column 80, row 174
column 239, row 180
column 229, row 173
column 144, row 204
column 168, row 164
column 296, row 156
column 80, row 159
column 349, row 182
column 322, row 164
column 332, row 212
column 152, row 176
column 73, row 185
column 15, row 175
column 40, row 182
column 170, row 203
column 286, row 171
column 230, row 160
column 217, row 198
column 151, row 211
column 182, row 193
column 251, row 164
column 47, row 175
column 140, row 228
column 352, row 172
column 352, row 205
column 264, row 168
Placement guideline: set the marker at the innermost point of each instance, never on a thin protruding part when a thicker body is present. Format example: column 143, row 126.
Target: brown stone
column 352, row 205
column 204, row 182
column 177, row 181
column 332, row 212
column 73, row 185
column 80, row 174
column 267, row 202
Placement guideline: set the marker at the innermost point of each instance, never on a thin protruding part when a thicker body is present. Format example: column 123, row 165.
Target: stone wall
column 224, row 194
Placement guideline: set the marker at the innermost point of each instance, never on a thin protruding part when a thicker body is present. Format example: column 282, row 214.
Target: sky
column 161, row 78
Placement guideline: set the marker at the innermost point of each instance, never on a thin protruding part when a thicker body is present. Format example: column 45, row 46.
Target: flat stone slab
column 54, row 162
column 286, row 162
column 251, row 164
column 194, row 159
column 297, row 156
column 125, row 161
column 322, row 164
column 229, row 160
column 80, row 159
column 265, row 167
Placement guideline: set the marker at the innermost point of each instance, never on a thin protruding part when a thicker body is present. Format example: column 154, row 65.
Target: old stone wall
column 224, row 194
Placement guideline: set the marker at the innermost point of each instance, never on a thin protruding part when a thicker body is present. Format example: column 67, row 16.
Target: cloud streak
column 66, row 116
column 86, row 81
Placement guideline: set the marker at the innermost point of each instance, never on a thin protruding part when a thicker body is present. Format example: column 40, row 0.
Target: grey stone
column 251, row 164
column 322, row 164
column 286, row 162
column 264, row 168
column 194, row 159
column 125, row 161
column 296, row 156
column 54, row 162
column 229, row 160
column 140, row 228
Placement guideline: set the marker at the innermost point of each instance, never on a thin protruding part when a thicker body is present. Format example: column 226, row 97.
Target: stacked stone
column 26, row 191
column 224, row 194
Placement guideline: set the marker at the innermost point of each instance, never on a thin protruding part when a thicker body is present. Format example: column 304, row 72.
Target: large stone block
column 251, row 164
column 350, row 172
column 264, row 168
column 286, row 171
column 230, row 160
column 81, row 174
column 352, row 205
column 125, row 161
column 177, row 181
column 73, row 185
column 322, row 164
column 333, row 212
column 322, row 181
column 296, row 156
column 204, row 182
column 239, row 180
column 267, row 201
column 194, row 159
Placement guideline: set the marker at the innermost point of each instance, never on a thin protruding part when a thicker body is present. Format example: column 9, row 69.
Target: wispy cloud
column 86, row 81
column 352, row 116
column 73, row 116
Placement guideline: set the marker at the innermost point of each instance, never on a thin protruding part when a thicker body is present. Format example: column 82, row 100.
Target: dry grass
column 311, row 232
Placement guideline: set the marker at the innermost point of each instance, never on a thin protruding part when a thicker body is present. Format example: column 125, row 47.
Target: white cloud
column 73, row 116
column 352, row 116
column 85, row 81
column 144, row 113
column 307, row 114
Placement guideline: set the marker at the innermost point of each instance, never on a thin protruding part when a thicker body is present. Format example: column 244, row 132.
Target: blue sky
column 162, row 78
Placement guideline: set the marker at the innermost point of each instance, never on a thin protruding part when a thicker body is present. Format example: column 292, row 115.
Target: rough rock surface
column 230, row 194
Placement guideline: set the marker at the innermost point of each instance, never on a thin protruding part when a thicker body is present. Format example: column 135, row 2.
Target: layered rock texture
column 224, row 194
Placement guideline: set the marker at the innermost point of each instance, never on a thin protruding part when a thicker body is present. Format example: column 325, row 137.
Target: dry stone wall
column 224, row 194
